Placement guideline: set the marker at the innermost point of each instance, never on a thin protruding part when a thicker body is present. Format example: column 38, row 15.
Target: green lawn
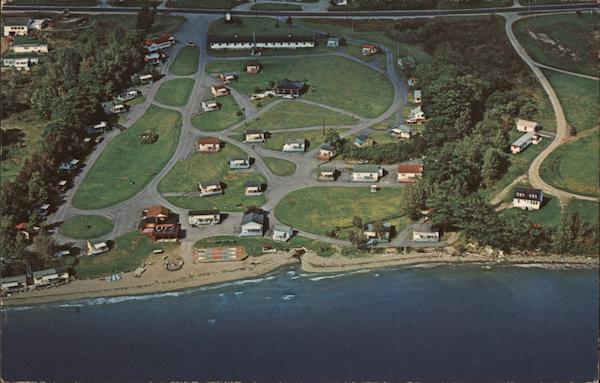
column 208, row 4
column 588, row 210
column 563, row 41
column 254, row 245
column 290, row 115
column 322, row 209
column 276, row 7
column 129, row 252
column 186, row 174
column 186, row 62
column 313, row 139
column 136, row 101
column 127, row 165
column 262, row 26
column 162, row 23
column 551, row 212
column 575, row 166
column 220, row 119
column 364, row 91
column 280, row 167
column 578, row 97
column 175, row 92
column 86, row 226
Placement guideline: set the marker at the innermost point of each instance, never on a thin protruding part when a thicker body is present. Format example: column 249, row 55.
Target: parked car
column 190, row 44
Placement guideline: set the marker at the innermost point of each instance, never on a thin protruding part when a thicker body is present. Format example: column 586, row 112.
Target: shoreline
column 157, row 280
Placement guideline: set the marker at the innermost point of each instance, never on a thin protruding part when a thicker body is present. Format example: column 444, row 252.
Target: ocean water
column 463, row 324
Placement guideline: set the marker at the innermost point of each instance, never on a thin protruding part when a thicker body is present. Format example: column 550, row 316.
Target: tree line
column 66, row 92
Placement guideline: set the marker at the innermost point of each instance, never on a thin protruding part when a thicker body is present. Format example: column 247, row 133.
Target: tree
column 44, row 244
column 332, row 136
column 342, row 42
column 357, row 222
column 357, row 238
column 38, row 192
column 414, row 198
column 494, row 165
column 145, row 19
column 289, row 20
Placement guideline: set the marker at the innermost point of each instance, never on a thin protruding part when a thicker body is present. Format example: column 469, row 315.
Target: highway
column 330, row 14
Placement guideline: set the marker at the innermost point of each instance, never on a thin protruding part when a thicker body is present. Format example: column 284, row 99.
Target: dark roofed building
column 289, row 87
column 528, row 198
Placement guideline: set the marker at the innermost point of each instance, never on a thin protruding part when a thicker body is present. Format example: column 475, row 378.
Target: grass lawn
column 186, row 62
column 291, row 114
column 276, row 7
column 563, row 41
column 578, row 97
column 262, row 26
column 254, row 245
column 321, row 209
column 129, row 252
column 162, row 23
column 136, row 101
column 545, row 113
column 280, row 167
column 588, row 210
column 127, row 165
column 313, row 139
column 208, row 4
column 186, row 174
column 519, row 163
column 175, row 92
column 575, row 166
column 220, row 119
column 86, row 226
column 365, row 91
column 551, row 212
column 383, row 137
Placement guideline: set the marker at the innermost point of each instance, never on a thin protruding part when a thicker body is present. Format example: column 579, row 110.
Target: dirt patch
column 4, row 46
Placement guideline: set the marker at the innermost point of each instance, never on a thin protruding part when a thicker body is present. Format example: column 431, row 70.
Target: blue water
column 464, row 324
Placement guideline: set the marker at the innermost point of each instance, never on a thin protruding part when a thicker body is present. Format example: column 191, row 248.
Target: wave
column 361, row 271
column 288, row 297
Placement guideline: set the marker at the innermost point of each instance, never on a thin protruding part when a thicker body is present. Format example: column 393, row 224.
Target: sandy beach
column 157, row 279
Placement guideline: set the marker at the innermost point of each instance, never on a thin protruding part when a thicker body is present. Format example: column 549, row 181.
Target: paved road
column 562, row 129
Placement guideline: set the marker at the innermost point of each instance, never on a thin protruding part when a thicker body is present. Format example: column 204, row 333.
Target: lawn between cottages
column 565, row 41
column 86, row 226
column 574, row 166
column 280, row 167
column 175, row 92
column 294, row 114
column 254, row 245
column 578, row 97
column 186, row 174
column 186, row 62
column 129, row 252
column 127, row 165
column 229, row 115
column 320, row 210
column 364, row 91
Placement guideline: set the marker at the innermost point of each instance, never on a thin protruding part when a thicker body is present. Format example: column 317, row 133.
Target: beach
column 157, row 279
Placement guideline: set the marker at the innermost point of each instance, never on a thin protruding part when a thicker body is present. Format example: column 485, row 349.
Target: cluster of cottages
column 35, row 280
column 258, row 43
column 25, row 51
column 416, row 114
column 530, row 136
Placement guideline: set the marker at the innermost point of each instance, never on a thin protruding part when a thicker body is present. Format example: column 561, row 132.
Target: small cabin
column 208, row 145
column 239, row 163
column 253, row 188
column 219, row 90
column 254, row 136
column 204, row 217
column 208, row 188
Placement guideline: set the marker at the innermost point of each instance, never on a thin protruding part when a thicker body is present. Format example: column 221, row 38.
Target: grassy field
column 254, row 245
column 588, row 210
column 130, row 251
column 86, row 226
column 186, row 62
column 290, row 115
column 550, row 214
column 221, row 119
column 276, row 7
column 262, row 26
column 136, row 101
column 313, row 139
column 127, row 165
column 563, row 41
column 578, row 97
column 280, row 167
column 162, row 23
column 365, row 91
column 186, row 174
column 322, row 209
column 575, row 166
column 175, row 92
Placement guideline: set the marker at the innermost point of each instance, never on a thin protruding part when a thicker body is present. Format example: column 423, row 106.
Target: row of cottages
column 425, row 232
column 410, row 172
column 254, row 136
column 294, row 145
column 39, row 279
column 160, row 224
column 219, row 90
column 326, row 152
column 157, row 43
column 528, row 198
column 208, row 145
column 367, row 173
column 204, row 217
column 237, row 42
column 524, row 141
column 416, row 116
column 403, row 132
